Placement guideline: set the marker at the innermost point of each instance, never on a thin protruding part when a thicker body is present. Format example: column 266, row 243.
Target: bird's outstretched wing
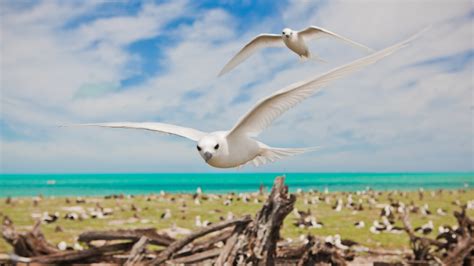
column 185, row 132
column 312, row 32
column 268, row 109
column 261, row 41
column 271, row 154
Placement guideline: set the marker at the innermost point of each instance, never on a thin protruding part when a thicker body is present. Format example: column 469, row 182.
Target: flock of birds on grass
column 366, row 200
column 388, row 212
column 237, row 146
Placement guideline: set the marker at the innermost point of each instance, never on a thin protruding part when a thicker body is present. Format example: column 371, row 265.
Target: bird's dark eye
column 199, row 148
column 282, row 32
column 216, row 147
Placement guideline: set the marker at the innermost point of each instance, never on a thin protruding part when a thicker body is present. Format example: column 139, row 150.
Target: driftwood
column 137, row 254
column 82, row 256
column 206, row 244
column 177, row 245
column 465, row 245
column 229, row 250
column 132, row 235
column 421, row 246
column 196, row 258
column 256, row 244
column 450, row 248
column 265, row 231
column 252, row 241
column 28, row 244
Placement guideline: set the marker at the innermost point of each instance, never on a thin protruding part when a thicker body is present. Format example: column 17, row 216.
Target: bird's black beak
column 207, row 156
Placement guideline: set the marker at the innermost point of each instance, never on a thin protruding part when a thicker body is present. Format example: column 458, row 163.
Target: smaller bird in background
column 359, row 224
column 204, row 223
column 426, row 228
column 49, row 218
column 441, row 212
column 166, row 214
column 294, row 40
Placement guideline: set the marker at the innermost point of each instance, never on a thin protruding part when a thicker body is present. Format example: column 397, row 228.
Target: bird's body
column 237, row 146
column 293, row 40
column 231, row 152
column 296, row 43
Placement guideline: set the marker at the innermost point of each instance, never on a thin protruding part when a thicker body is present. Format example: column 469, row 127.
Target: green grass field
column 149, row 212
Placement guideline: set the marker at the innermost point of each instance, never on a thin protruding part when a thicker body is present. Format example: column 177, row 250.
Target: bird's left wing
column 268, row 109
column 185, row 132
column 312, row 32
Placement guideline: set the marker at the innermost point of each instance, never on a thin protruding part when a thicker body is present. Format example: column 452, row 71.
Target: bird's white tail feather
column 312, row 57
column 319, row 59
column 270, row 154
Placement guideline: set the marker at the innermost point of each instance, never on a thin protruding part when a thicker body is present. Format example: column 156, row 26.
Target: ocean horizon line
column 100, row 184
column 232, row 173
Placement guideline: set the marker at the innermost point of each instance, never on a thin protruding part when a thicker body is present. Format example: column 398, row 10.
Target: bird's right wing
column 312, row 32
column 268, row 109
column 270, row 154
column 185, row 132
column 261, row 41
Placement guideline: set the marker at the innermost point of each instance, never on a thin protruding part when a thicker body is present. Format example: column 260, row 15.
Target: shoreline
column 144, row 184
column 222, row 193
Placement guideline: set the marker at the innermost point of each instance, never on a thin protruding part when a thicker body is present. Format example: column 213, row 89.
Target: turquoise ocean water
column 103, row 184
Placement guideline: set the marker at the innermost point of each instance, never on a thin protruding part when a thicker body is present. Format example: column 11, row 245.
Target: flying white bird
column 236, row 147
column 294, row 40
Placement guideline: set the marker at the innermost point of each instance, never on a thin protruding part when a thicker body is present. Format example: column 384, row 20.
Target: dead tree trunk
column 257, row 243
column 28, row 244
column 265, row 232
column 465, row 244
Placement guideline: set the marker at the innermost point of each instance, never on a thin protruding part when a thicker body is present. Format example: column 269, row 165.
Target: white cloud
column 41, row 58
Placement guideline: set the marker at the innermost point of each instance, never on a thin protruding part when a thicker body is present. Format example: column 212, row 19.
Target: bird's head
column 287, row 33
column 209, row 147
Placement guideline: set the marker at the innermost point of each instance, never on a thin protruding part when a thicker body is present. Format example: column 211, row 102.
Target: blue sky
column 66, row 62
